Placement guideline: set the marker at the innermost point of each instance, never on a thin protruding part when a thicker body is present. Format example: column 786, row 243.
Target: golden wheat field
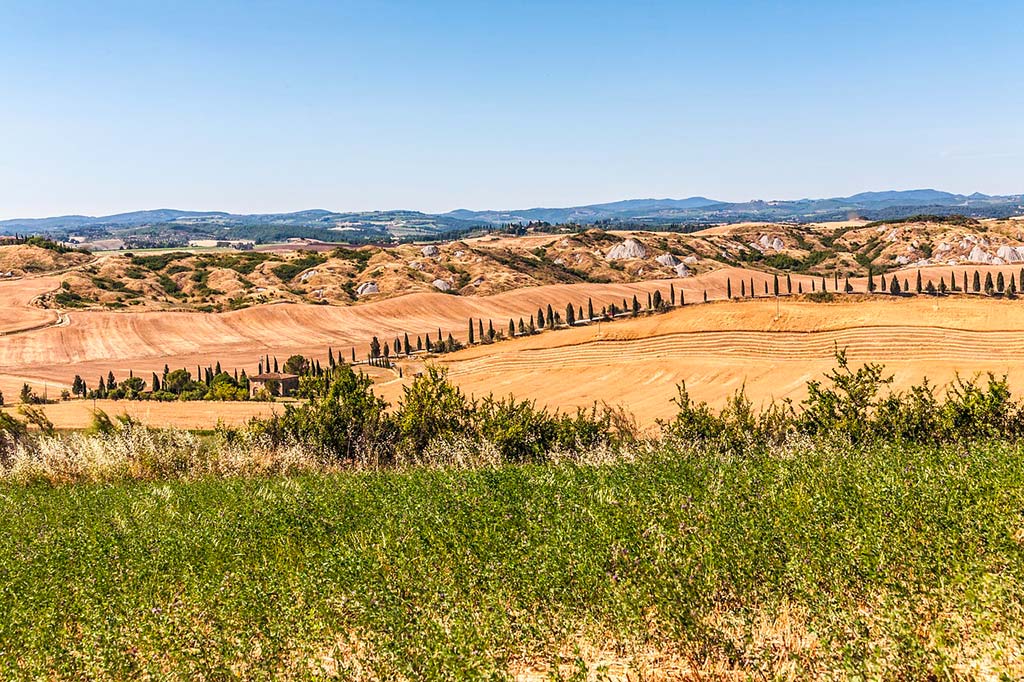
column 770, row 346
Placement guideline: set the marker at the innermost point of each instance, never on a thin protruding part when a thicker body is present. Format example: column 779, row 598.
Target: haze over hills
column 173, row 224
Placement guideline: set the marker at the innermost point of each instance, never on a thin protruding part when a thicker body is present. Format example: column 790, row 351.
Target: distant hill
column 171, row 225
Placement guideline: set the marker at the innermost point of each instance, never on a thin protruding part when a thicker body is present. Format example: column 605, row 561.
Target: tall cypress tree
column 1000, row 283
column 894, row 286
column 871, row 281
column 728, row 288
column 743, row 288
column 672, row 294
column 789, row 284
column 775, row 284
column 570, row 315
column 590, row 309
column 551, row 317
column 511, row 328
column 977, row 281
column 918, row 288
column 636, row 306
column 471, row 339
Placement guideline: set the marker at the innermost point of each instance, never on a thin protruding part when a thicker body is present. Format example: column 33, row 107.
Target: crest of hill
column 219, row 281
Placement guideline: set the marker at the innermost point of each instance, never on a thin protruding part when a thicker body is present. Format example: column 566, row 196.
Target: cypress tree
column 871, row 281
column 570, row 315
column 579, row 312
column 743, row 288
column 894, row 286
column 765, row 286
column 799, row 287
column 471, row 340
column 942, row 285
column 330, row 357
column 154, row 383
column 374, row 347
column 752, row 293
column 965, row 281
column 540, row 318
column 511, row 328
column 919, row 282
column 672, row 294
column 408, row 346
column 977, row 282
column 705, row 295
column 835, row 281
column 658, row 301
column 490, row 330
column 789, row 284
column 930, row 288
column 682, row 297
column 387, row 350
column 906, row 285
column 822, row 283
column 775, row 284
column 590, row 309
column 650, row 301
column 440, row 339
column 419, row 342
column 988, row 283
column 551, row 317
column 1000, row 283
column 353, row 354
column 522, row 327
column 848, row 288
column 1011, row 290
column 636, row 306
column 275, row 364
column 533, row 327
column 728, row 288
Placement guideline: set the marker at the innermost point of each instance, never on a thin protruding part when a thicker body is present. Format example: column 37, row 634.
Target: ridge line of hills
column 321, row 223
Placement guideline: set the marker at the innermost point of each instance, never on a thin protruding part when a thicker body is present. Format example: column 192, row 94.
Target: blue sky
column 277, row 106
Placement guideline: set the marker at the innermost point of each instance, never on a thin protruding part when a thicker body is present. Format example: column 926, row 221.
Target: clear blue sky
column 276, row 106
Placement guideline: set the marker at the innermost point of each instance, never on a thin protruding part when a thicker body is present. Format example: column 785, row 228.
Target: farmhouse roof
column 267, row 376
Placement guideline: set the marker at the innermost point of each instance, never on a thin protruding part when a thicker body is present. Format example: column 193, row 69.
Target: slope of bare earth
column 226, row 280
column 771, row 349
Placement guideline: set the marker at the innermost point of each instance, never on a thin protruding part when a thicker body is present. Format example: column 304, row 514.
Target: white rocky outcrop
column 691, row 260
column 416, row 265
column 304, row 277
column 773, row 243
column 980, row 255
column 683, row 271
column 629, row 249
column 442, row 285
column 668, row 260
column 460, row 254
column 1011, row 254
column 430, row 251
column 367, row 288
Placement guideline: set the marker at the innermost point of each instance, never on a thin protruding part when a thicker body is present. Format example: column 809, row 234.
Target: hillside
column 482, row 266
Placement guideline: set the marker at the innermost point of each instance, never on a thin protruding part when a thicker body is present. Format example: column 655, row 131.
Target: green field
column 802, row 561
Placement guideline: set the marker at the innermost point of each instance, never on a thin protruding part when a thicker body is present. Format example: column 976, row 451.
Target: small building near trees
column 278, row 384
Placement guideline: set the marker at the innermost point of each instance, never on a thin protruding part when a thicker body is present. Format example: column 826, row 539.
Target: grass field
column 808, row 562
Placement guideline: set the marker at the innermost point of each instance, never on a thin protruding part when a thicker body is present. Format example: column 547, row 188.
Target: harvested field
column 719, row 348
column 714, row 348
column 78, row 414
